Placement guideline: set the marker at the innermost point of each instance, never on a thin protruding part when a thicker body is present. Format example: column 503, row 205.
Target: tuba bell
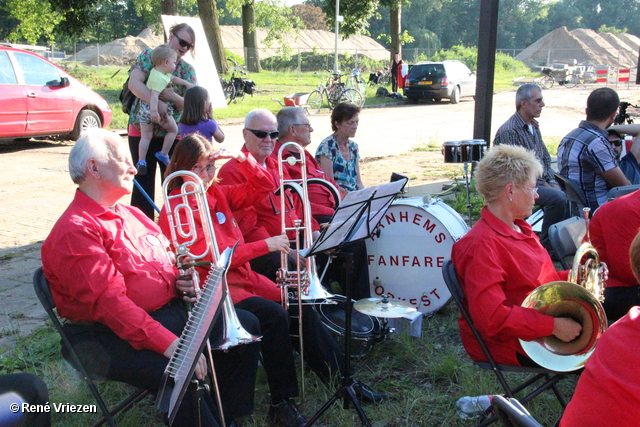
column 184, row 234
column 579, row 298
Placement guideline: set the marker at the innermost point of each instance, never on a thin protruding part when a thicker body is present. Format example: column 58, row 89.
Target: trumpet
column 579, row 298
column 304, row 279
column 184, row 233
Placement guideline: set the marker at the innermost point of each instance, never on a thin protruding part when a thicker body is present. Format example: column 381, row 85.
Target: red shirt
column 222, row 199
column 320, row 197
column 498, row 267
column 111, row 267
column 612, row 229
column 263, row 219
column 608, row 391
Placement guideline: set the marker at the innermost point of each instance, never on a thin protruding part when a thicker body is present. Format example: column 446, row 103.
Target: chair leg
column 122, row 407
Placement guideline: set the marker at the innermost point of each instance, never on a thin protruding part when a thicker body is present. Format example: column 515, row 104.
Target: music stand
column 354, row 219
column 179, row 371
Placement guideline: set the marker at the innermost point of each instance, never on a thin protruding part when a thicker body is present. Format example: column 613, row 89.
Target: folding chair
column 547, row 378
column 41, row 286
column 616, row 192
column 511, row 413
column 575, row 196
column 565, row 237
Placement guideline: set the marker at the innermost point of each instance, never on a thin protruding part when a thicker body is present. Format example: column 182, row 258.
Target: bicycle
column 335, row 92
column 356, row 81
column 548, row 80
column 380, row 77
column 573, row 80
column 237, row 86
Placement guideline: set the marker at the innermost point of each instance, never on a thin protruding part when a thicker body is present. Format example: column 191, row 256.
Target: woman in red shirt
column 500, row 261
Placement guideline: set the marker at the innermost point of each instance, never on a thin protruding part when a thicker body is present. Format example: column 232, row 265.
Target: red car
column 38, row 98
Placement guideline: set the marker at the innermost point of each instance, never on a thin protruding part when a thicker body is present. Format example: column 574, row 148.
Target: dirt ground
column 36, row 186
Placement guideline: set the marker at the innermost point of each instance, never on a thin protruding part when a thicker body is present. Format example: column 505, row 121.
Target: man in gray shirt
column 522, row 129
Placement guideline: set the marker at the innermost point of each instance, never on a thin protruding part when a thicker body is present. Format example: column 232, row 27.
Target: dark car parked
column 38, row 98
column 436, row 80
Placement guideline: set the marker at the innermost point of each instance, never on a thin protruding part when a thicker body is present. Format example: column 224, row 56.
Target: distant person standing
column 522, row 129
column 394, row 69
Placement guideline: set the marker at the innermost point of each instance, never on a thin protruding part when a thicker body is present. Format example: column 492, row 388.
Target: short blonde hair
column 504, row 164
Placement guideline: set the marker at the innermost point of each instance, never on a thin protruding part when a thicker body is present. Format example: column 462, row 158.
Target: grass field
column 108, row 81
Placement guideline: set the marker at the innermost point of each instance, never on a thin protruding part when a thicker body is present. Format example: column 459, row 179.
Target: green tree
column 36, row 20
column 209, row 15
column 311, row 16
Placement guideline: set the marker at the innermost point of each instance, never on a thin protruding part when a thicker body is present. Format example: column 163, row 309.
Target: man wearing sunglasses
column 586, row 156
column 263, row 220
column 182, row 39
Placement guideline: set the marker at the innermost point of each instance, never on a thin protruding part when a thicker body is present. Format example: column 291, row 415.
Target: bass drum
column 365, row 330
column 408, row 250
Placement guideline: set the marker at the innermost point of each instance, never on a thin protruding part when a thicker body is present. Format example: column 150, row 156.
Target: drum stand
column 466, row 185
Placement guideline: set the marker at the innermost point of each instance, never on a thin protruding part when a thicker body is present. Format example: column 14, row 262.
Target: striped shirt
column 584, row 154
column 516, row 132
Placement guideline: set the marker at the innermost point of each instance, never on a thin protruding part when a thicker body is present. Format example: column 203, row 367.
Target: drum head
column 406, row 259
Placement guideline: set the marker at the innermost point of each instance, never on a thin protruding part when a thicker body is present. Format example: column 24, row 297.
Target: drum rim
column 376, row 325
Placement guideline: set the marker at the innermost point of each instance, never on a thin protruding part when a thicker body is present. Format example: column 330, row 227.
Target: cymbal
column 383, row 307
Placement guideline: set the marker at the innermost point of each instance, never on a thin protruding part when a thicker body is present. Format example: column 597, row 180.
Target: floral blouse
column 183, row 70
column 344, row 171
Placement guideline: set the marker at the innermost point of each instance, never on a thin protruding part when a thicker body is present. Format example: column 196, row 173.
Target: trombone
column 304, row 279
column 184, row 233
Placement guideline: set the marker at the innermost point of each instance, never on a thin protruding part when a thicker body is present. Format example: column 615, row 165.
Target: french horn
column 579, row 298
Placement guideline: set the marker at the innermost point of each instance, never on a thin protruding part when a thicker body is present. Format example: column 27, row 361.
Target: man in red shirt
column 115, row 283
column 294, row 126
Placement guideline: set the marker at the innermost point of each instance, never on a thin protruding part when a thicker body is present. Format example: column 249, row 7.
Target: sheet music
column 372, row 202
column 180, row 369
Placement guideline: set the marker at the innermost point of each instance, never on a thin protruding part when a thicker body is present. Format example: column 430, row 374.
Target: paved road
column 36, row 187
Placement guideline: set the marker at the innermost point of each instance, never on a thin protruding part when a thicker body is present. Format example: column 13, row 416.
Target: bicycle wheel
column 239, row 92
column 229, row 91
column 352, row 95
column 384, row 79
column 547, row 82
column 571, row 81
column 314, row 103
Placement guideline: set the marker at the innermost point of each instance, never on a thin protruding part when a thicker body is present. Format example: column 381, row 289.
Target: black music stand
column 179, row 371
column 355, row 218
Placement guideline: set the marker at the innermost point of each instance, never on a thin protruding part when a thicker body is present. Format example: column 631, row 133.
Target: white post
column 335, row 58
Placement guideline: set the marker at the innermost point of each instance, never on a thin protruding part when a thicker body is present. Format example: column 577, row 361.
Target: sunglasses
column 183, row 42
column 263, row 133
column 616, row 142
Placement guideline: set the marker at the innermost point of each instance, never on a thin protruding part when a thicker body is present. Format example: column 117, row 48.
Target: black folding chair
column 616, row 192
column 511, row 413
column 575, row 196
column 565, row 237
column 547, row 379
column 41, row 286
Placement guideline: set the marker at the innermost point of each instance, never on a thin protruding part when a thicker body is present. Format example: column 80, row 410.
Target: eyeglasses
column 533, row 191
column 263, row 133
column 198, row 170
column 183, row 42
column 308, row 125
column 616, row 142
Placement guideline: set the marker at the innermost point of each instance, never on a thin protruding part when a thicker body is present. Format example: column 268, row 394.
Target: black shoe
column 285, row 414
column 366, row 394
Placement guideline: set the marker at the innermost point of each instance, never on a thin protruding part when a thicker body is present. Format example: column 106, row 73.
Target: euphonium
column 184, row 233
column 578, row 298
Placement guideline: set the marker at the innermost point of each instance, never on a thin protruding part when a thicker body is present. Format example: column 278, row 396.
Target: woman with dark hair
column 197, row 116
column 182, row 39
column 338, row 154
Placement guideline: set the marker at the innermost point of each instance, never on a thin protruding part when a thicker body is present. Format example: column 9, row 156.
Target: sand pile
column 582, row 46
column 124, row 51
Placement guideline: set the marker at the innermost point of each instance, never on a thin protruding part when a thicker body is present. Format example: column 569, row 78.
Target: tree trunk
column 209, row 17
column 250, row 37
column 395, row 26
column 169, row 7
